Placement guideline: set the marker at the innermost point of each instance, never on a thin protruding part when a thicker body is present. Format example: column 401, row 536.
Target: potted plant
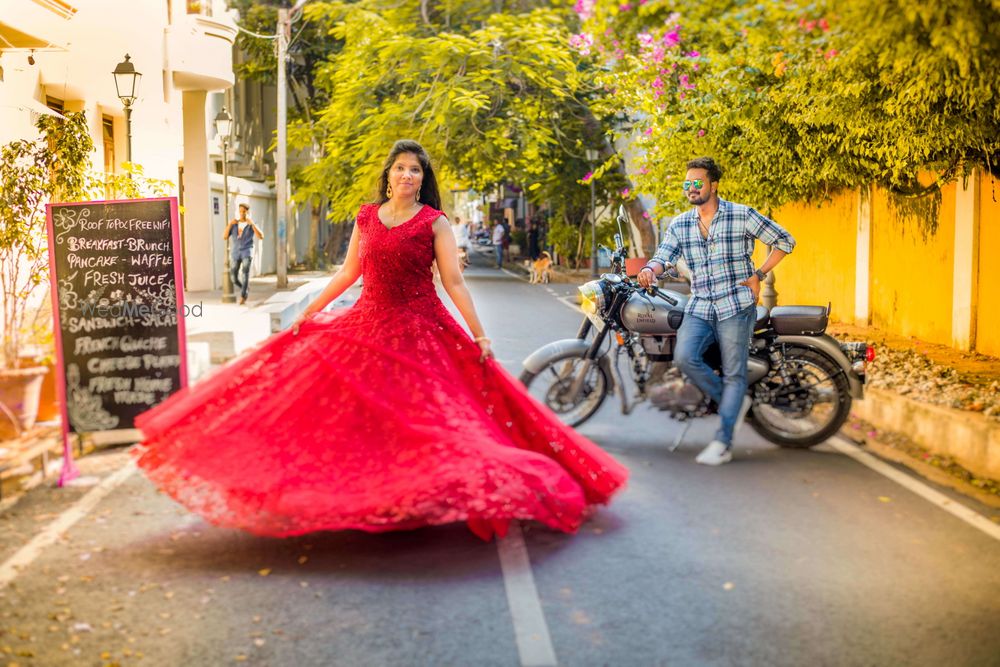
column 53, row 168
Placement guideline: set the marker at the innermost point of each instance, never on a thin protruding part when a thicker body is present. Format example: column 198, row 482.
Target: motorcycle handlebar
column 653, row 290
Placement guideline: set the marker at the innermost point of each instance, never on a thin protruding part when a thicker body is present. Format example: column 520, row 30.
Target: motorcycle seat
column 799, row 320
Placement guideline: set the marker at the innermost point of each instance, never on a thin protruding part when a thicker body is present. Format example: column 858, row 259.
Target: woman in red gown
column 382, row 416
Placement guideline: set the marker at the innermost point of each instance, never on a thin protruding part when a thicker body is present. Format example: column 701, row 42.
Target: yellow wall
column 912, row 275
column 988, row 320
column 821, row 268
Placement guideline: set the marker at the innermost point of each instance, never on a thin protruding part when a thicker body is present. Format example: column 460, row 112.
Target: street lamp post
column 126, row 83
column 224, row 127
column 592, row 155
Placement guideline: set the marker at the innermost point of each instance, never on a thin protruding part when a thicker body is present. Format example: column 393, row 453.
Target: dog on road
column 539, row 268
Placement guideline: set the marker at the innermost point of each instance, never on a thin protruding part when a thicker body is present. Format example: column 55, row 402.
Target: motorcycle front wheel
column 807, row 410
column 552, row 385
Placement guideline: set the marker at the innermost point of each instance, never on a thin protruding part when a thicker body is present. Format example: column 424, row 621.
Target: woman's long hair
column 429, row 193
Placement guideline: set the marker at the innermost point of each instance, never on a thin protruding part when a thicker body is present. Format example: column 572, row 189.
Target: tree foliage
column 491, row 89
column 798, row 99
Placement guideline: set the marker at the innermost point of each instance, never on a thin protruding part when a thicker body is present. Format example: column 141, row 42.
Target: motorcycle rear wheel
column 548, row 387
column 819, row 377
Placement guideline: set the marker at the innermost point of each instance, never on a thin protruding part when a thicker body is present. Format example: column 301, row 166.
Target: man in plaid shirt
column 716, row 238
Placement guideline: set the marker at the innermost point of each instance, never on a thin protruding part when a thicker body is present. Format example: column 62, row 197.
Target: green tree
column 798, row 99
column 490, row 88
column 310, row 44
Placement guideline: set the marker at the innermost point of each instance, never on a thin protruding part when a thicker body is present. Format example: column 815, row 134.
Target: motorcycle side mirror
column 622, row 218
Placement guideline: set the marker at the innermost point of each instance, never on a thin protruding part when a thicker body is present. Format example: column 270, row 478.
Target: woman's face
column 405, row 176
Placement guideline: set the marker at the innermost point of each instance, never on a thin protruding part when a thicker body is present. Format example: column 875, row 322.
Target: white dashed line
column 530, row 629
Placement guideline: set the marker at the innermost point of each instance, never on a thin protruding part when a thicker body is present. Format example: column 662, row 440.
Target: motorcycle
column 801, row 380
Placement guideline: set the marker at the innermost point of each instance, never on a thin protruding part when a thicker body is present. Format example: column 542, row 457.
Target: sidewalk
column 217, row 331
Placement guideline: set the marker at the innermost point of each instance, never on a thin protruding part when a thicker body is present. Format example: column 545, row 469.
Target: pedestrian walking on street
column 240, row 233
column 716, row 238
column 498, row 236
column 461, row 232
column 383, row 416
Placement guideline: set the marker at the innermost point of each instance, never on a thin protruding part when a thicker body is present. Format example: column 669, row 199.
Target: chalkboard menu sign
column 118, row 309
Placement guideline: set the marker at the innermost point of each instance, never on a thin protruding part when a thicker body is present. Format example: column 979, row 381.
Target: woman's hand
column 486, row 352
column 303, row 318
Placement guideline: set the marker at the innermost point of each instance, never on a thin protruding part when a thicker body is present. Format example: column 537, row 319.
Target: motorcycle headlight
column 592, row 299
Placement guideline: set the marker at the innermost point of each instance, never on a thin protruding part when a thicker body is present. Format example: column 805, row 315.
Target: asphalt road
column 780, row 558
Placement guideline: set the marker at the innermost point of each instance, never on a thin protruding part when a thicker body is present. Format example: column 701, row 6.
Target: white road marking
column 14, row 565
column 567, row 301
column 959, row 510
column 530, row 629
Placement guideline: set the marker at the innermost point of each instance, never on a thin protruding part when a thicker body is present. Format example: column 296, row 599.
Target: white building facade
column 60, row 54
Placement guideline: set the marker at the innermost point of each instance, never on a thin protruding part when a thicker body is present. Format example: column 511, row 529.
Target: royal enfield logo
column 648, row 317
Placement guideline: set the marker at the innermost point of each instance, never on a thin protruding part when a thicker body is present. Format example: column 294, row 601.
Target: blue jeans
column 733, row 335
column 239, row 268
column 498, row 249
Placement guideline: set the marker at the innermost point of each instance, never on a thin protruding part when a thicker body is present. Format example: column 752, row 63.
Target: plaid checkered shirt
column 723, row 260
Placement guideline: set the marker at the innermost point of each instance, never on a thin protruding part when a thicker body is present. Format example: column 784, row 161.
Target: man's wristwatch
column 760, row 274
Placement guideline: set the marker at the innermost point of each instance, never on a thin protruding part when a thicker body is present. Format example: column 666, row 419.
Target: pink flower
column 671, row 39
column 582, row 43
column 832, row 53
column 644, row 171
column 625, row 7
column 645, row 39
column 694, row 54
column 585, row 9
column 645, row 214
column 824, row 25
column 649, row 131
column 701, row 133
column 657, row 82
column 681, row 96
column 586, row 178
column 685, row 82
column 626, row 192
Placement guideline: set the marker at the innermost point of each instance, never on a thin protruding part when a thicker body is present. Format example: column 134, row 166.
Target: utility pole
column 281, row 162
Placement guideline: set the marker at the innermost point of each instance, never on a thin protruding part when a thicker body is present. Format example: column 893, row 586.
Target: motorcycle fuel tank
column 646, row 314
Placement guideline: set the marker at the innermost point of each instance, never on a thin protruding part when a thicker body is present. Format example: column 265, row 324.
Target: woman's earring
column 388, row 191
column 417, row 197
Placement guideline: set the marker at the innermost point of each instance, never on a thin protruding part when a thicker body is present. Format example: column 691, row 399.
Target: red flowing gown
column 376, row 417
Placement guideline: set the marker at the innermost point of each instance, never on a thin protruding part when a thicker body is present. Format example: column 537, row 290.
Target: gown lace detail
column 376, row 417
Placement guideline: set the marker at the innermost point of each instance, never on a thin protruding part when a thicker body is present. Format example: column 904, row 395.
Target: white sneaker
column 715, row 454
column 742, row 414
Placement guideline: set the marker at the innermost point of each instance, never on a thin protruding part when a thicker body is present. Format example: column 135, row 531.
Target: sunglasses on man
column 697, row 184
